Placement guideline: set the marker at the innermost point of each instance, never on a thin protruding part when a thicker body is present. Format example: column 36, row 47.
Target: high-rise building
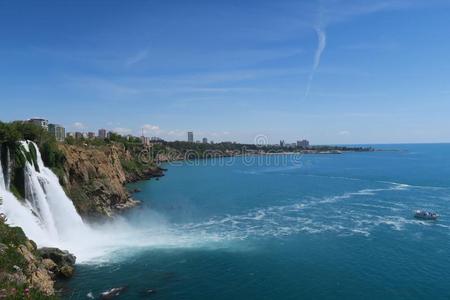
column 102, row 133
column 282, row 143
column 303, row 144
column 78, row 135
column 39, row 122
column 145, row 141
column 57, row 131
column 91, row 135
column 190, row 136
column 205, row 141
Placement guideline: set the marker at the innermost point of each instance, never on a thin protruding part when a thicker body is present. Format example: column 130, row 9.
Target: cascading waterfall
column 46, row 214
column 8, row 169
column 2, row 179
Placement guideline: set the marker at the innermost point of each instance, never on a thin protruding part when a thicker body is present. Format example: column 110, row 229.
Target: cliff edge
column 94, row 177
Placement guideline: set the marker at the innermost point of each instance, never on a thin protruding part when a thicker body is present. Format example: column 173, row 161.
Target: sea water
column 311, row 227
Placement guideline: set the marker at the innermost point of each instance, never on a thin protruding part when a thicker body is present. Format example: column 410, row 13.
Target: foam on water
column 316, row 215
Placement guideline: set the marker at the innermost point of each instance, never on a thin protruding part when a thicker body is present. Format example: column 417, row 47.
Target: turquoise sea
column 285, row 227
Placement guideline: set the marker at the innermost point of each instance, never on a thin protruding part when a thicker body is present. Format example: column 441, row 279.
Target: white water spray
column 2, row 179
column 49, row 217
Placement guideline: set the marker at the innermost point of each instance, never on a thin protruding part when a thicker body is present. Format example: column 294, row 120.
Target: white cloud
column 122, row 131
column 177, row 133
column 321, row 44
column 344, row 132
column 79, row 125
column 150, row 127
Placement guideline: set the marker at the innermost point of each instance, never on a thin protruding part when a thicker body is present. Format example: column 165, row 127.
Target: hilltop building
column 39, row 122
column 57, row 131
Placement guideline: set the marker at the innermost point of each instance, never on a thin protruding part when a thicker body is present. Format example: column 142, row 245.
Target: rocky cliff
column 27, row 272
column 94, row 177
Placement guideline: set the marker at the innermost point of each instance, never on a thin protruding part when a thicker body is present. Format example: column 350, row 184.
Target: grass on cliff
column 11, row 237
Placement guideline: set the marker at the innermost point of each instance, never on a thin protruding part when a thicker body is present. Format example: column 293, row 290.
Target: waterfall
column 8, row 170
column 46, row 214
column 2, row 179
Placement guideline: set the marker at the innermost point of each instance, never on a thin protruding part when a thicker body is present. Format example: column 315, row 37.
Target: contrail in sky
column 321, row 44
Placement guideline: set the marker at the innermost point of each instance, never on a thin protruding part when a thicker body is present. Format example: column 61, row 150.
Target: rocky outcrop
column 24, row 272
column 94, row 177
column 60, row 262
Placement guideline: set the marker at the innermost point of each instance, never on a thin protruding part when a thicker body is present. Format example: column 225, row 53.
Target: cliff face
column 94, row 178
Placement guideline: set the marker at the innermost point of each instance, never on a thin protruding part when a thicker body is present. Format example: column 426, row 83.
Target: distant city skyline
column 59, row 132
column 333, row 72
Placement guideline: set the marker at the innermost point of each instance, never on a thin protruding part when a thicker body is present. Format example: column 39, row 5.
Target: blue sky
column 330, row 71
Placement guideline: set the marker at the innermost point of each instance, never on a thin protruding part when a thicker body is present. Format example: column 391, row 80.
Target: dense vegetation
column 113, row 138
column 11, row 133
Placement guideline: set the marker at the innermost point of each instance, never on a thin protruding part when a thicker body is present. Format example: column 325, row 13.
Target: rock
column 27, row 254
column 38, row 273
column 57, row 261
column 60, row 257
column 114, row 292
column 50, row 265
column 17, row 268
column 42, row 280
column 67, row 271
column 31, row 245
column 3, row 248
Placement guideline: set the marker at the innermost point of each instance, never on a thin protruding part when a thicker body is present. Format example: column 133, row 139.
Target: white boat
column 425, row 215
